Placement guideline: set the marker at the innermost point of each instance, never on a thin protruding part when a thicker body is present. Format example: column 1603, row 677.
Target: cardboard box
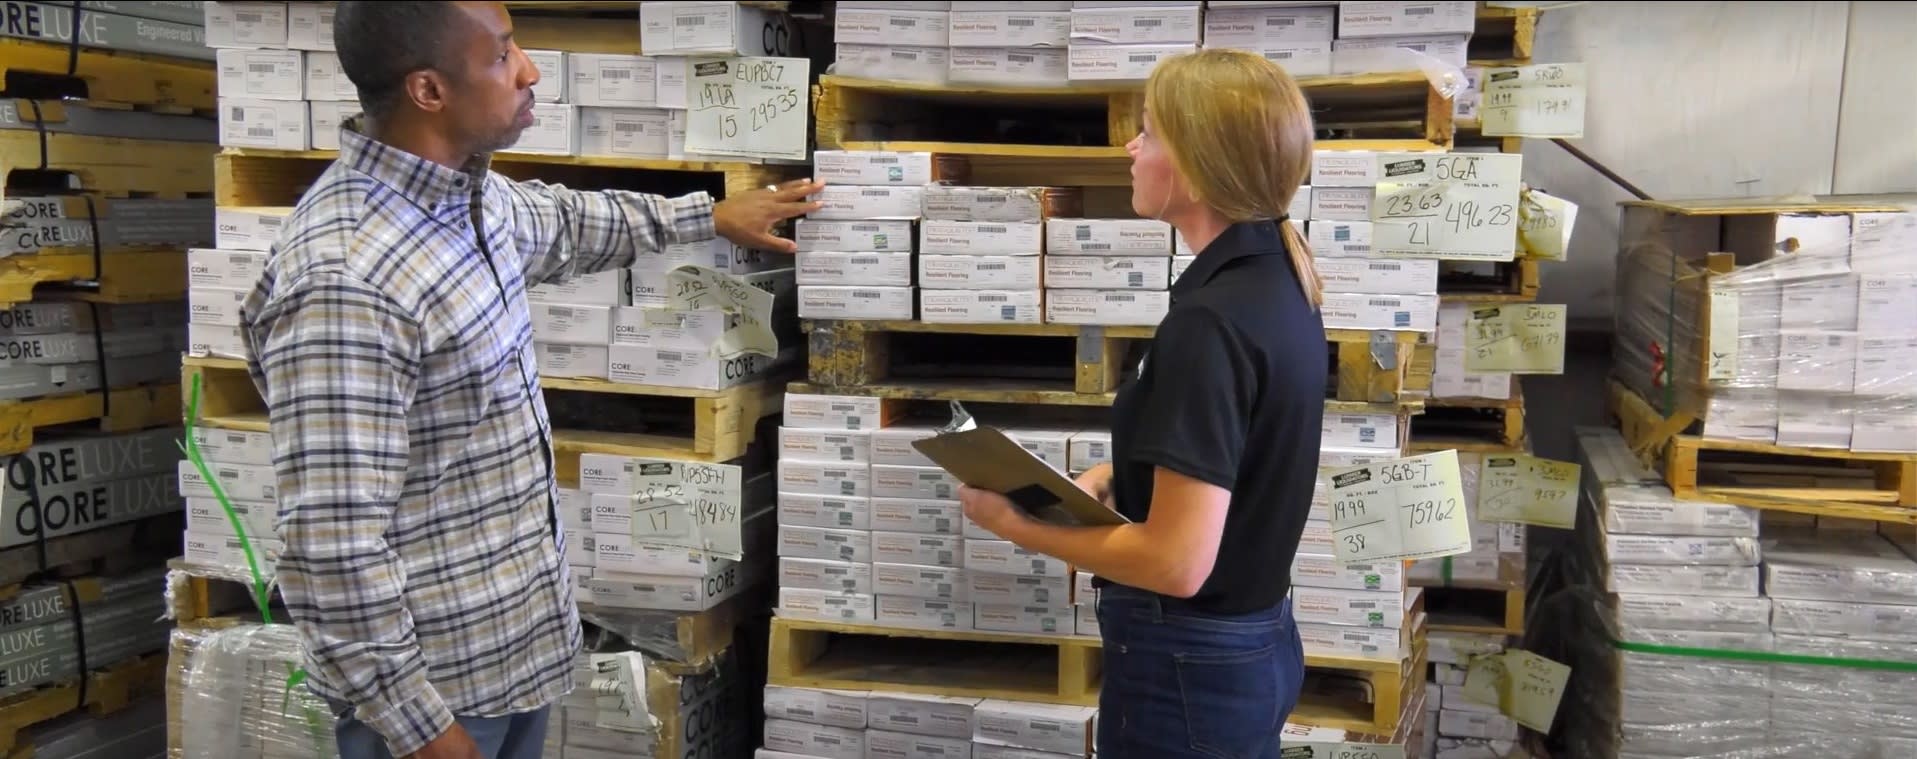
column 1040, row 727
column 1886, row 304
column 853, row 236
column 836, row 512
column 917, row 549
column 309, row 26
column 248, row 228
column 1004, row 557
column 900, row 63
column 1373, row 431
column 1106, row 307
column 829, row 576
column 326, row 80
column 856, row 202
column 554, row 131
column 721, row 28
column 855, row 269
column 1088, row 449
column 1338, row 239
column 1391, row 18
column 1373, row 54
column 831, row 708
column 1325, row 571
column 213, row 267
column 1126, row 63
column 1179, row 264
column 718, row 254
column 1027, row 67
column 1010, row 29
column 685, row 593
column 978, row 238
column 218, row 342
column 1344, row 168
column 884, row 167
column 573, row 361
column 838, row 412
column 937, row 716
column 213, row 306
column 1031, row 620
column 605, row 288
column 878, row 303
column 1018, row 590
column 981, row 306
column 267, row 124
column 917, row 515
column 633, row 365
column 609, row 80
column 1260, row 28
column 625, row 132
column 1385, row 276
column 1358, row 642
column 1414, row 313
column 1358, row 608
column 324, row 118
column 893, row 445
column 872, row 26
column 884, row 744
column 261, row 74
column 814, row 740
column 919, row 482
column 1107, row 272
column 825, row 544
column 1147, row 25
column 1341, row 203
column 932, row 583
column 572, row 325
column 1108, row 237
column 979, row 272
column 1049, row 445
column 838, row 446
column 924, row 613
column 246, row 25
column 1002, row 205
column 825, row 478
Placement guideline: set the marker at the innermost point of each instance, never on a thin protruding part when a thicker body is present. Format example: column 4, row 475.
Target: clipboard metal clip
column 961, row 420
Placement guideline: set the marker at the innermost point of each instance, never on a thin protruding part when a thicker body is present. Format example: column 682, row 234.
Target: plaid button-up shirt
column 391, row 340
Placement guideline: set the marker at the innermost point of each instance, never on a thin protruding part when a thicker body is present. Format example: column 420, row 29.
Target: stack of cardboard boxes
column 1124, row 40
column 853, row 268
column 1107, row 271
column 803, row 723
column 980, row 252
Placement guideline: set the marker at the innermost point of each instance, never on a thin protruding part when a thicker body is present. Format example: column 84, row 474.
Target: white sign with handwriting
column 1524, row 489
column 1459, row 206
column 1545, row 100
column 1544, row 225
column 1410, row 508
column 748, row 309
column 685, row 504
column 749, row 107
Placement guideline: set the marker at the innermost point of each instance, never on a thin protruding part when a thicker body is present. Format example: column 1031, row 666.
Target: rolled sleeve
column 568, row 233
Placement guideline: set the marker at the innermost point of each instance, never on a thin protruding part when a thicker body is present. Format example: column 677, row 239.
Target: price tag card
column 1544, row 225
column 1524, row 489
column 748, row 309
column 662, row 508
column 1545, row 100
column 1410, row 508
column 749, row 107
column 1521, row 339
column 1721, row 342
column 717, row 507
column 1458, row 206
column 1486, row 679
column 1523, row 686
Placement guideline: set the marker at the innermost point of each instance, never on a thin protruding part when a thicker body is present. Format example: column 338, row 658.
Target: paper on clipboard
column 985, row 458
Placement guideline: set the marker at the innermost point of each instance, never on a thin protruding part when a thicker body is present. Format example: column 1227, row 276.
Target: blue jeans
column 1185, row 683
column 515, row 736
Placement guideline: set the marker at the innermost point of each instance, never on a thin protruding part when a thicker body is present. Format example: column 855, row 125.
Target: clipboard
column 986, row 459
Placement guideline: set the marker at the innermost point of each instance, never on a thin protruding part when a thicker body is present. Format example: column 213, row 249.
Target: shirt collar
column 1240, row 240
column 427, row 183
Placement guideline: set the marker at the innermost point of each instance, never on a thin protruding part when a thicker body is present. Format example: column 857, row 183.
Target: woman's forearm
column 1126, row 554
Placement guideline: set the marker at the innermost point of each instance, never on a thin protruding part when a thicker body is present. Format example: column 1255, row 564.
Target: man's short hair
column 382, row 43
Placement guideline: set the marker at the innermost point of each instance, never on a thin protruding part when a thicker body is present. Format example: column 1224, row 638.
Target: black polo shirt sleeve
column 1205, row 386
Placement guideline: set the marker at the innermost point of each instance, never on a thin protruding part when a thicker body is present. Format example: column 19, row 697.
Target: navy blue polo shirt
column 1232, row 392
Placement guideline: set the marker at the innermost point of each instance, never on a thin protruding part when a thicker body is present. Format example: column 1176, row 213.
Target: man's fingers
column 772, row 242
column 797, row 190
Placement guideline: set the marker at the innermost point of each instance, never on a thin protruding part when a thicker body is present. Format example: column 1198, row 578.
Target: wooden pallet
column 108, row 689
column 1507, row 282
column 104, row 78
column 1504, row 36
column 105, row 164
column 1822, row 482
column 1089, row 360
column 705, row 425
column 1473, row 423
column 1075, row 135
column 257, row 177
column 112, row 277
column 1039, row 668
column 118, row 410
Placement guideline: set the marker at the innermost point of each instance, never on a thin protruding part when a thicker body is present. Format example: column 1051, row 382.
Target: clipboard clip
column 961, row 420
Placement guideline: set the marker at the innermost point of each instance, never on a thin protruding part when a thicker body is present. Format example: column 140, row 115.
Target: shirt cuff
column 408, row 725
column 691, row 219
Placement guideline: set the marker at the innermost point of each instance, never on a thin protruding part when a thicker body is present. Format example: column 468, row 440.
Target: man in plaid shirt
column 391, row 340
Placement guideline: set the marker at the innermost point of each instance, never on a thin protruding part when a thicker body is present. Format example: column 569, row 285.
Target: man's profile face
column 491, row 97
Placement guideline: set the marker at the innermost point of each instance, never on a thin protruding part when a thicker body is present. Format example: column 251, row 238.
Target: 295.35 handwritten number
column 763, row 114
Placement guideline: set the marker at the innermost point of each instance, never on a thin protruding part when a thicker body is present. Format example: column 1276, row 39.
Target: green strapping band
column 1445, row 571
column 1765, row 657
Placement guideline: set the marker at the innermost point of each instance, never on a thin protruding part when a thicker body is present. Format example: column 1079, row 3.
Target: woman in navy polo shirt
column 1215, row 444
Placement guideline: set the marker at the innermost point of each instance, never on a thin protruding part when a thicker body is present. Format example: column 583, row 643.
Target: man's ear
column 427, row 89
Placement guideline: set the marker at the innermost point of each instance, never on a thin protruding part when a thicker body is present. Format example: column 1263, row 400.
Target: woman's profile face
column 1156, row 188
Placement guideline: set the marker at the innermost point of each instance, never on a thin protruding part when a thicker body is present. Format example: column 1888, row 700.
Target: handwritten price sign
column 748, row 107
column 679, row 504
column 1523, row 686
column 1527, row 339
column 1528, row 490
column 1411, row 508
column 1458, row 206
column 1534, row 101
column 748, row 309
column 1544, row 225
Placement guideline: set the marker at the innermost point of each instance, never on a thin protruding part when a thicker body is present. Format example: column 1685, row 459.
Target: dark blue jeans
column 516, row 736
column 1184, row 683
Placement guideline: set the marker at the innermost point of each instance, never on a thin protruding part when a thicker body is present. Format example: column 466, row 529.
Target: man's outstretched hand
column 747, row 218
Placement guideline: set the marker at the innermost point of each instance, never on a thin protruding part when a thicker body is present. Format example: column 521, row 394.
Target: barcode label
column 884, row 159
column 876, row 193
column 690, row 21
column 1386, row 267
column 1382, row 303
column 1082, row 233
column 1423, row 11
column 1418, row 47
column 249, row 18
column 904, row 23
column 614, row 75
column 1018, row 22
column 994, row 298
column 1284, row 21
column 1364, row 604
column 1020, row 57
column 904, row 55
column 1147, row 23
column 1142, row 58
column 865, row 227
column 262, row 132
column 1280, row 55
column 560, row 350
column 994, row 229
column 261, row 68
column 991, row 267
column 236, row 113
column 1120, row 298
column 1096, row 246
column 867, row 294
column 671, row 356
column 628, row 127
column 866, row 260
